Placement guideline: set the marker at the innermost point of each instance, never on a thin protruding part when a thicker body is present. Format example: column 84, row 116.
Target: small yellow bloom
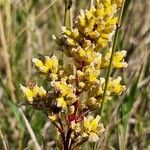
column 49, row 64
column 97, row 88
column 118, row 59
column 66, row 31
column 70, row 42
column 115, row 87
column 81, row 19
column 53, row 118
column 40, row 91
column 92, row 103
column 38, row 63
column 75, row 34
column 91, row 74
column 100, row 10
column 61, row 102
column 34, row 92
column 28, row 93
column 93, row 128
column 64, row 90
column 101, row 43
column 89, row 13
column 97, row 60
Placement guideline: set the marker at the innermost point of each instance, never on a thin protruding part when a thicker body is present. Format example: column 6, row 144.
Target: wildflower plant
column 79, row 87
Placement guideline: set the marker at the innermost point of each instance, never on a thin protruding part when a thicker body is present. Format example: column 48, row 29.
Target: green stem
column 109, row 68
column 65, row 14
column 70, row 14
column 118, row 25
column 65, row 22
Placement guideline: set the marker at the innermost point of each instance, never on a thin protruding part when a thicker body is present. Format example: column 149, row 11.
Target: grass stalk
column 118, row 25
column 65, row 22
column 37, row 17
column 65, row 13
column 37, row 146
column 6, row 59
column 70, row 13
column 3, row 140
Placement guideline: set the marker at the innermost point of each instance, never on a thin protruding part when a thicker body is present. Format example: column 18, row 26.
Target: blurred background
column 26, row 29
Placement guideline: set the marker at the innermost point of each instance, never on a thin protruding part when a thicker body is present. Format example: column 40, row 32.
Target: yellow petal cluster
column 114, row 86
column 53, row 118
column 89, row 128
column 118, row 59
column 33, row 93
column 46, row 65
column 92, row 128
column 65, row 92
column 93, row 30
column 61, row 102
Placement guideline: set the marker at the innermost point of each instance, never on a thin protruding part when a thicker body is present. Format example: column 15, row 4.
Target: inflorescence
column 77, row 86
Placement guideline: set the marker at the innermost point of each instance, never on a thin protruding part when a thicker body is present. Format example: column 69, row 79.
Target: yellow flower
column 53, row 118
column 118, row 59
column 91, row 74
column 39, row 91
column 115, row 87
column 97, row 60
column 66, row 31
column 61, row 102
column 92, row 103
column 28, row 93
column 97, row 88
column 49, row 64
column 92, row 127
column 70, row 42
column 65, row 90
column 81, row 19
column 90, row 13
column 32, row 93
column 83, row 55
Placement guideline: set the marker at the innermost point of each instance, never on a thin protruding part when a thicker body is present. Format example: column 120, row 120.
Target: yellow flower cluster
column 92, row 128
column 65, row 93
column 118, row 59
column 89, row 128
column 33, row 93
column 47, row 65
column 77, row 87
column 92, row 32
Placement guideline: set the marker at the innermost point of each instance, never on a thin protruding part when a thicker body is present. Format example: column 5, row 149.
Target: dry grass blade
column 3, row 140
column 30, row 130
column 39, row 15
column 6, row 59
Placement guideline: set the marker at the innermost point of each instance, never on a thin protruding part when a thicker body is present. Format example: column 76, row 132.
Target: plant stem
column 118, row 25
column 65, row 21
column 70, row 13
column 65, row 13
